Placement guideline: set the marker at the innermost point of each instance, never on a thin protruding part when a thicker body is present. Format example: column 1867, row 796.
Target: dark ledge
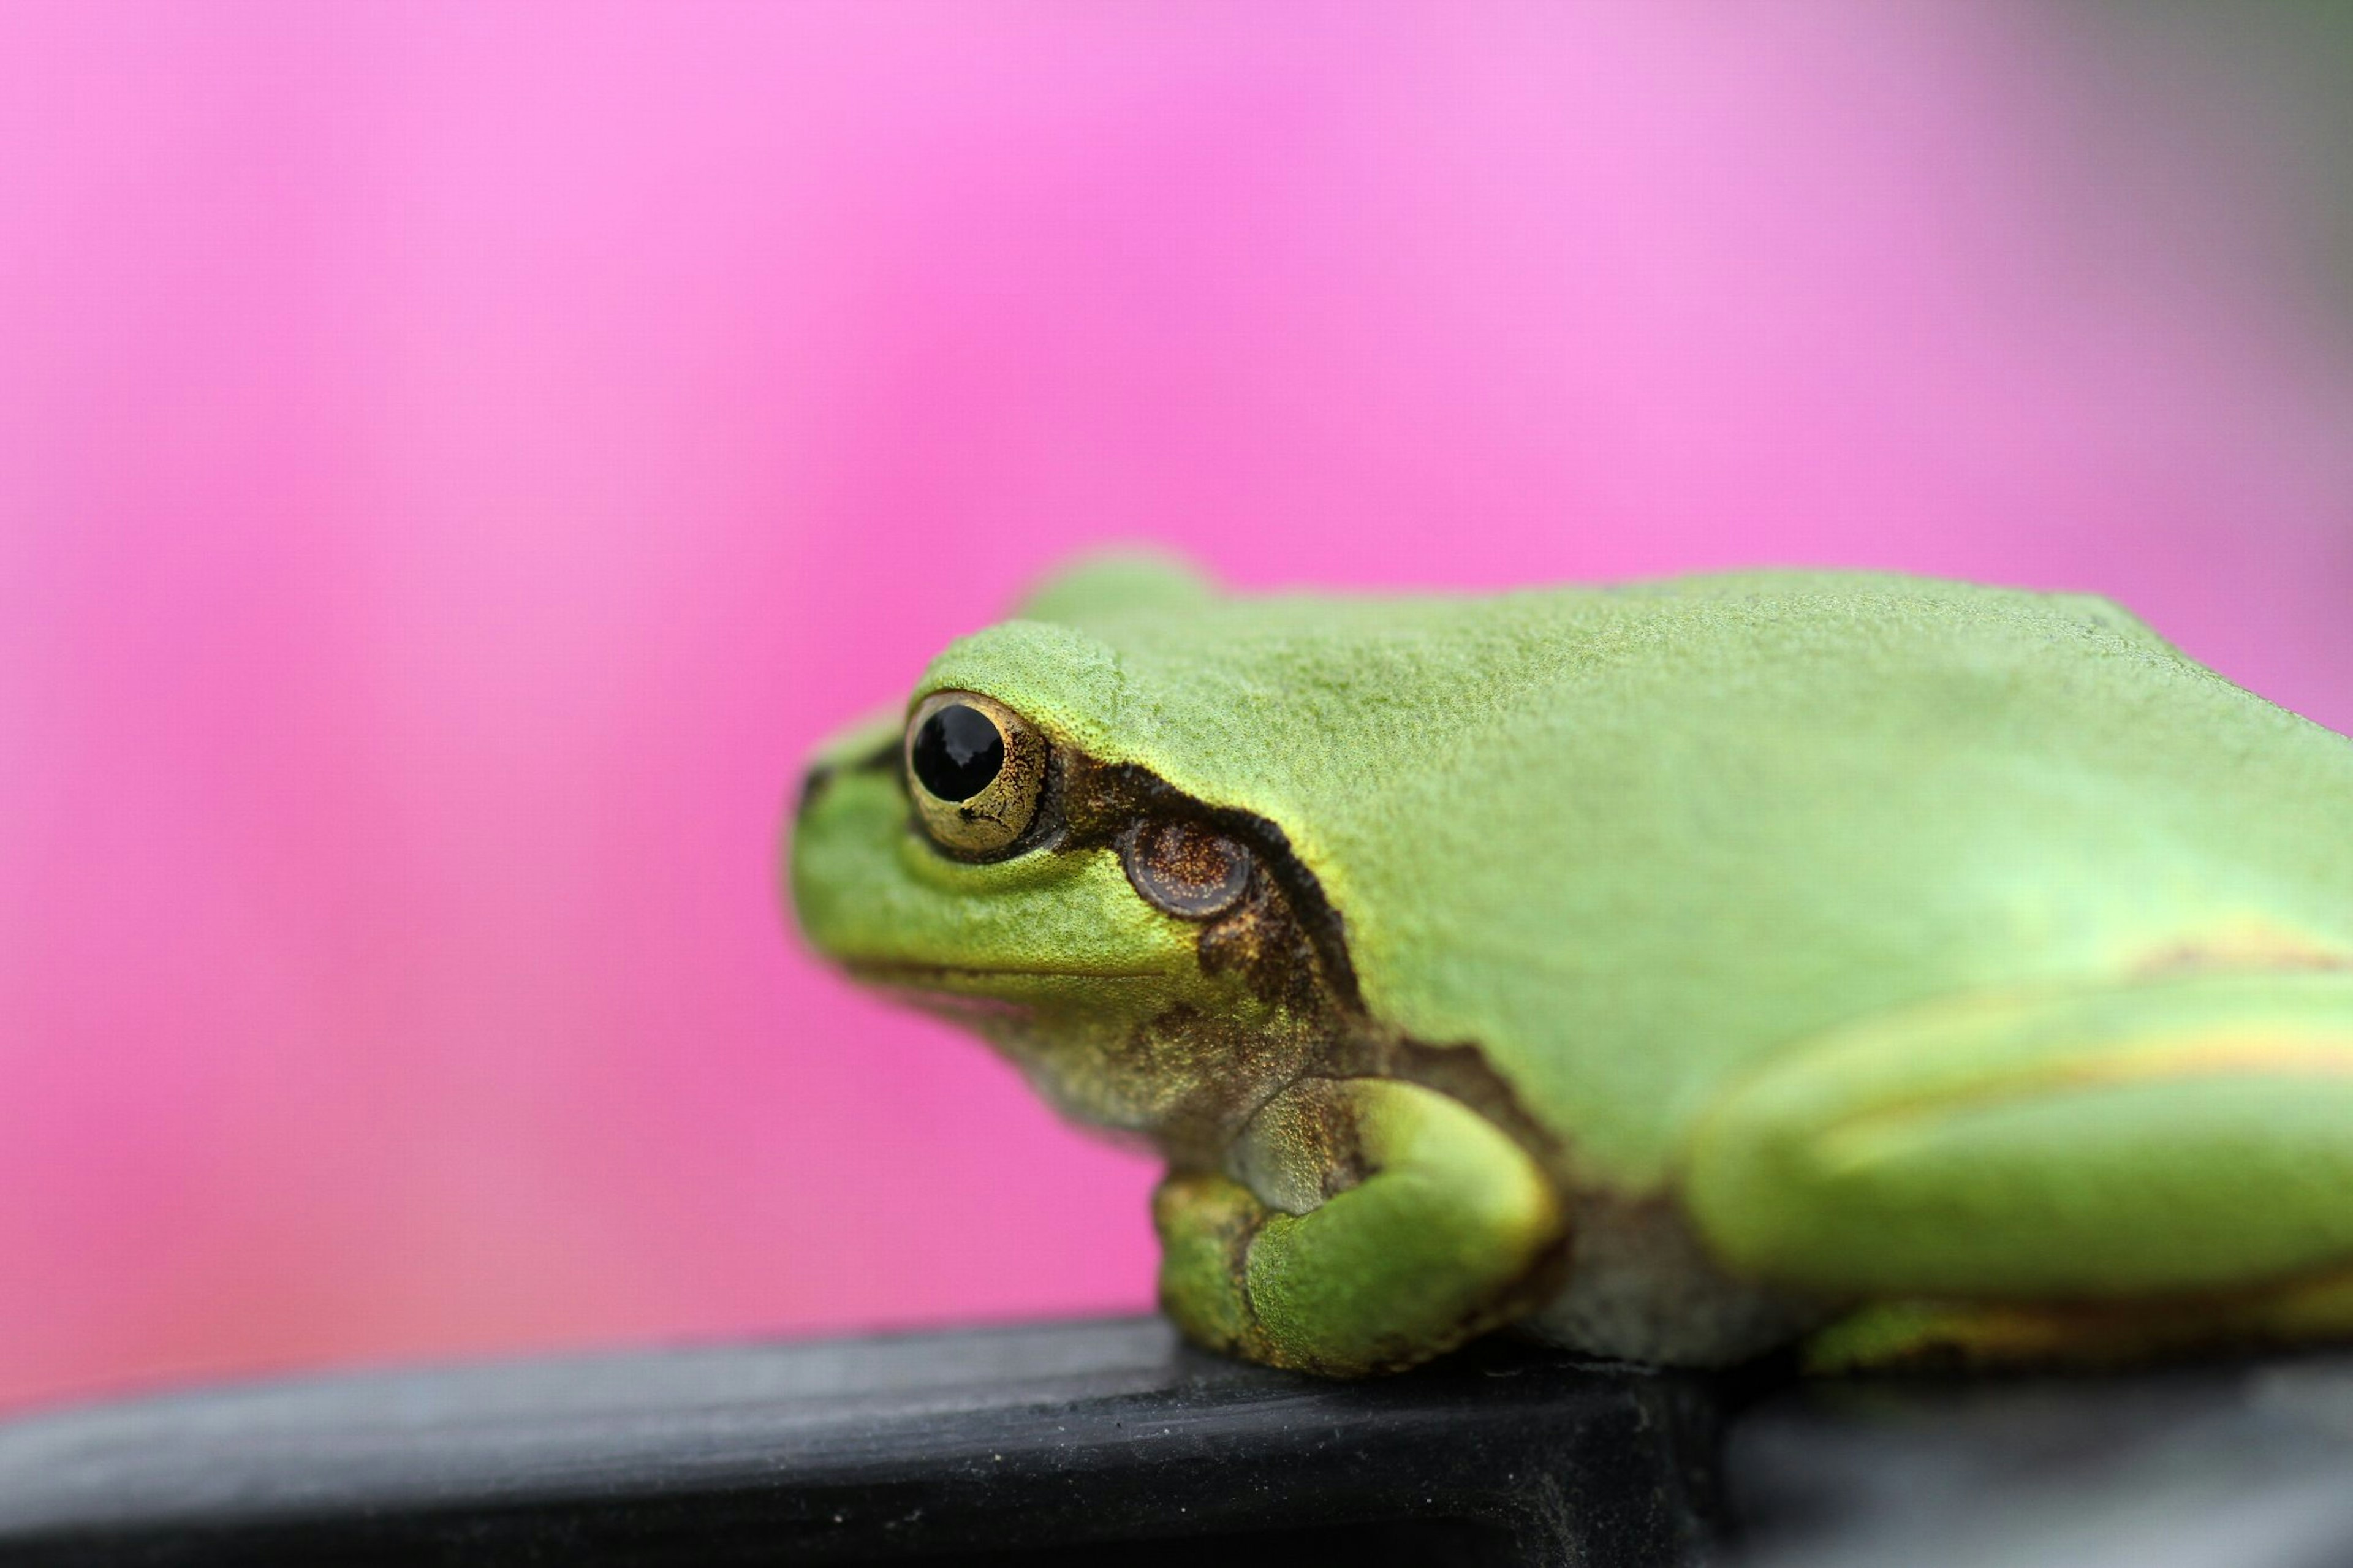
column 1047, row 1444
column 1003, row 1441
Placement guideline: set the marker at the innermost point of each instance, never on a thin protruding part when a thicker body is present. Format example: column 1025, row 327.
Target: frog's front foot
column 1206, row 1224
column 1361, row 1226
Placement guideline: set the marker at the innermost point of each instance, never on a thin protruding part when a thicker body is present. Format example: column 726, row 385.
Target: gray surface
column 2231, row 1466
column 1077, row 1436
column 484, row 1434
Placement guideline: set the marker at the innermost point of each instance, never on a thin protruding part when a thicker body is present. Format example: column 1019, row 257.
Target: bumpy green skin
column 1900, row 953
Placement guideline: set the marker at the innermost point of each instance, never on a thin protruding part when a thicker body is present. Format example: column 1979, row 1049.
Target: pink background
column 455, row 460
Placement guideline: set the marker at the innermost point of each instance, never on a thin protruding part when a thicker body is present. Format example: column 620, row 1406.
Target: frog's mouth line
column 927, row 977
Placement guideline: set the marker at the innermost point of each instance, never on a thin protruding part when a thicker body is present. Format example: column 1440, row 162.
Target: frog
column 1870, row 969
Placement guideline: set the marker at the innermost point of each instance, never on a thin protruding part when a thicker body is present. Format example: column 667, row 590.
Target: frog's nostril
column 820, row 776
column 813, row 784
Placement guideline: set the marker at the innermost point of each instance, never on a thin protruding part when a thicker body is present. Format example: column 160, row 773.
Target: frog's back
column 1627, row 840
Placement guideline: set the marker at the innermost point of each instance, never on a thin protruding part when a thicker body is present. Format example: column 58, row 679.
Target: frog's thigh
column 1369, row 1224
column 2169, row 1137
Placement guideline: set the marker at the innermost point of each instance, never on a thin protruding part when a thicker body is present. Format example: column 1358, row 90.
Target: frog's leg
column 2093, row 1173
column 1362, row 1225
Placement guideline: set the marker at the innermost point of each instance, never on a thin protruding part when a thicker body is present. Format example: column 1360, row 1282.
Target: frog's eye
column 975, row 769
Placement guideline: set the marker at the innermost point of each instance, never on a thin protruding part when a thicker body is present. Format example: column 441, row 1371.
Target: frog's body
column 1677, row 968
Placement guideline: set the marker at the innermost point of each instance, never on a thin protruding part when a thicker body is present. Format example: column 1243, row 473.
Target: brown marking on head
column 1189, row 1075
column 1262, row 912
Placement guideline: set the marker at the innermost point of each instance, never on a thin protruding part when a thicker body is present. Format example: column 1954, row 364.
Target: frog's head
column 1012, row 850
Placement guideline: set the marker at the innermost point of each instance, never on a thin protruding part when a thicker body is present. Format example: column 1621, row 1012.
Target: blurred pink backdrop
column 454, row 461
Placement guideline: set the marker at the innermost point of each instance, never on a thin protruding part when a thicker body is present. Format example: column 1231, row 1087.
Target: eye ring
column 974, row 770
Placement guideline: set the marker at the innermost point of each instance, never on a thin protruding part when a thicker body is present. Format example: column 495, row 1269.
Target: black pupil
column 957, row 753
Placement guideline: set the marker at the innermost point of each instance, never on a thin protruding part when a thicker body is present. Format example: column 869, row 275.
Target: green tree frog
column 1890, row 968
